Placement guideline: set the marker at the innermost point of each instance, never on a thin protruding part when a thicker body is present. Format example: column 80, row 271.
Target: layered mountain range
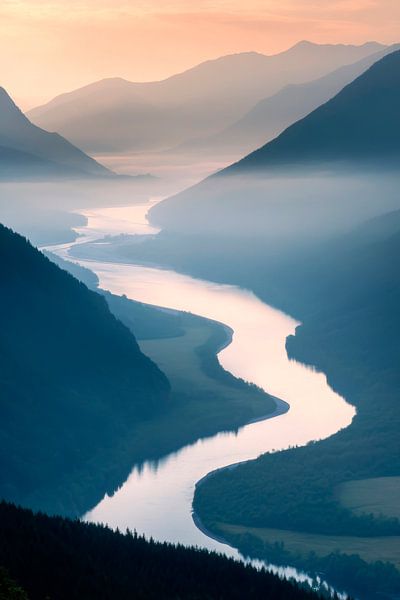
column 115, row 115
column 355, row 134
column 272, row 115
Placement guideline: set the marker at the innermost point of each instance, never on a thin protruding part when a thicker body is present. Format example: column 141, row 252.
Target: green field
column 204, row 400
column 201, row 401
column 298, row 543
column 378, row 496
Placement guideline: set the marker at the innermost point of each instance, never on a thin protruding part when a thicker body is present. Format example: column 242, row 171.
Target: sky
column 47, row 48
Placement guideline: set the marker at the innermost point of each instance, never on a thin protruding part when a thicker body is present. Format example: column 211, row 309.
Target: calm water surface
column 157, row 500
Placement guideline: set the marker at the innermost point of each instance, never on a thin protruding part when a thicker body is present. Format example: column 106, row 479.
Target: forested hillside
column 73, row 380
column 51, row 557
column 346, row 292
column 347, row 296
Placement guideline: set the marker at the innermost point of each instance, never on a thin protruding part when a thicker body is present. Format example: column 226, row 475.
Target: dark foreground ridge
column 73, row 378
column 52, row 557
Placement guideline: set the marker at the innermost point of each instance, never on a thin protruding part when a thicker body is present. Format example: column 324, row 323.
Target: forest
column 57, row 558
column 349, row 331
column 50, row 320
column 99, row 420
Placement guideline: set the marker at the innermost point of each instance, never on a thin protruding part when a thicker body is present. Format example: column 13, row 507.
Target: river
column 156, row 500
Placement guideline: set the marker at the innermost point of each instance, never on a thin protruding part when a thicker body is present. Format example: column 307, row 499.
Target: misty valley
column 200, row 291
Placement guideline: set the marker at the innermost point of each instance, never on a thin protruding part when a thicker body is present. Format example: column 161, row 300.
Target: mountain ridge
column 72, row 374
column 117, row 115
column 272, row 115
column 355, row 134
column 387, row 74
column 41, row 149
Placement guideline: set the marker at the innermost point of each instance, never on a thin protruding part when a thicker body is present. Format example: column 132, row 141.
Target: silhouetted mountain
column 27, row 151
column 291, row 186
column 115, row 115
column 51, row 557
column 361, row 122
column 272, row 115
column 73, row 380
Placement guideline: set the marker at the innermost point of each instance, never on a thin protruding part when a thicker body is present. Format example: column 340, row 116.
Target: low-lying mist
column 282, row 206
column 45, row 211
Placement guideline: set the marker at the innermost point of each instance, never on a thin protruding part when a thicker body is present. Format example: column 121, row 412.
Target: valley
column 259, row 334
column 199, row 307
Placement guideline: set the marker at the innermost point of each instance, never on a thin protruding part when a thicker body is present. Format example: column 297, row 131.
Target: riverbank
column 258, row 355
column 282, row 407
column 205, row 399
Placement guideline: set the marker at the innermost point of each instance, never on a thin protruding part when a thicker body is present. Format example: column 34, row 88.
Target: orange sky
column 50, row 47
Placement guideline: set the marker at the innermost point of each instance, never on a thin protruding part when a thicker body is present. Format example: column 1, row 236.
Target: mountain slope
column 25, row 146
column 117, row 115
column 357, row 129
column 73, row 381
column 346, row 293
column 70, row 560
column 361, row 122
column 15, row 164
column 272, row 115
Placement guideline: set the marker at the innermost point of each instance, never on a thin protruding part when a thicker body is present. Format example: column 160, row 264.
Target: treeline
column 344, row 571
column 54, row 558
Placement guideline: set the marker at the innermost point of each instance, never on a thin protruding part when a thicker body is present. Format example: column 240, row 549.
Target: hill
column 51, row 557
column 73, row 380
column 28, row 151
column 346, row 293
column 115, row 115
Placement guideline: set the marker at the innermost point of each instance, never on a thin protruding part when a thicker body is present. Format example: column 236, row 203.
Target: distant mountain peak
column 304, row 44
column 115, row 115
column 307, row 45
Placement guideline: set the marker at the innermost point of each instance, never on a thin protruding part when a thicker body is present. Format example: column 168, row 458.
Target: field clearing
column 369, row 549
column 195, row 394
column 378, row 496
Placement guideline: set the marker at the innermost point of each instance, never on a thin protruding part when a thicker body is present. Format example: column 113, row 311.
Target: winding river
column 157, row 499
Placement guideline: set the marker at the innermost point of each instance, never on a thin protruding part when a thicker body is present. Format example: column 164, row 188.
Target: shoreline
column 282, row 408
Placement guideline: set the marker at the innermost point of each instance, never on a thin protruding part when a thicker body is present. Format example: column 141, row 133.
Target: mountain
column 73, row 381
column 272, row 115
column 361, row 122
column 51, row 557
column 29, row 151
column 115, row 115
column 278, row 187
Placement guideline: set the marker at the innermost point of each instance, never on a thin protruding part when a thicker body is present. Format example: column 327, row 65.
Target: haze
column 47, row 48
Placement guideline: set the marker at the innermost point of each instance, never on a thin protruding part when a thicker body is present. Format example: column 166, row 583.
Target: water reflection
column 157, row 498
column 158, row 502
